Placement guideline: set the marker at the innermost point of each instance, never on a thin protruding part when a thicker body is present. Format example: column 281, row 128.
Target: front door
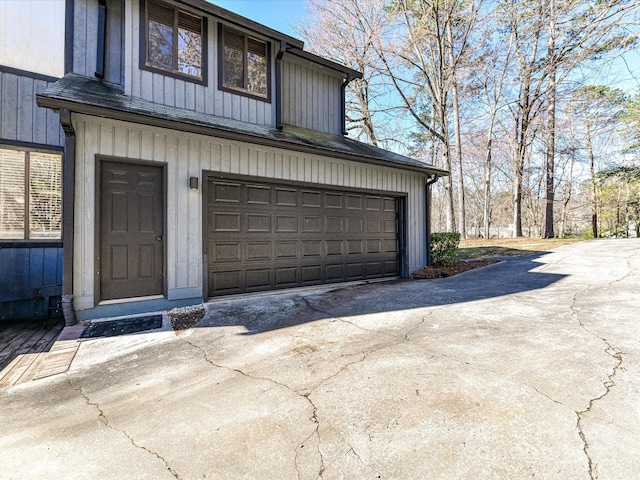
column 131, row 230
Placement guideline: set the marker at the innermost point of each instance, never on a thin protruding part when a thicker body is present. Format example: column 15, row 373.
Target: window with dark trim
column 30, row 195
column 174, row 41
column 244, row 64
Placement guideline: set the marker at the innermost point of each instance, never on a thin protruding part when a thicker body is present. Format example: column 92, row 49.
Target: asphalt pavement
column 529, row 368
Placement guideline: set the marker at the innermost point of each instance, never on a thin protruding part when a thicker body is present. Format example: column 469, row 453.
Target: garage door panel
column 263, row 236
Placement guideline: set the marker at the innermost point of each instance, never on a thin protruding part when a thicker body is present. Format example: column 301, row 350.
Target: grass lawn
column 478, row 248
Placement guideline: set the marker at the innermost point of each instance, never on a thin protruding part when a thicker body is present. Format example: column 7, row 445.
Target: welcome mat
column 123, row 326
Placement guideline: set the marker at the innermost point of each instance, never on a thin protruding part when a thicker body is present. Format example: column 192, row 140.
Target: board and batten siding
column 85, row 39
column 311, row 97
column 21, row 120
column 188, row 155
column 174, row 92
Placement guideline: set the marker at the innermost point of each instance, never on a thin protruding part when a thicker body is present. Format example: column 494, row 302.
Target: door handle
column 159, row 238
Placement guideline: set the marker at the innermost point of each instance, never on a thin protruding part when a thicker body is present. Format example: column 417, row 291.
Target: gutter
column 184, row 126
column 279, row 57
column 102, row 26
column 68, row 200
column 343, row 101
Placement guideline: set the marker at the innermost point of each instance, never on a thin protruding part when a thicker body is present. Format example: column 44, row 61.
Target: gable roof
column 87, row 95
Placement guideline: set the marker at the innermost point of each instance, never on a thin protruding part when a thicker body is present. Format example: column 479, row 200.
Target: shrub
column 444, row 246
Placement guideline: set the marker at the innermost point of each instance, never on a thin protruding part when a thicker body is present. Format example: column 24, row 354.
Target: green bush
column 444, row 246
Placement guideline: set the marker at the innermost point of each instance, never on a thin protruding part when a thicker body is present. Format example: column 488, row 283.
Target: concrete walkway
column 525, row 369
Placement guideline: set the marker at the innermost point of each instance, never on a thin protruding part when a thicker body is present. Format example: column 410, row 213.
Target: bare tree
column 346, row 32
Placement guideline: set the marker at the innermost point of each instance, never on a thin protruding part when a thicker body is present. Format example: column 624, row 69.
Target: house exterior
column 31, row 151
column 205, row 155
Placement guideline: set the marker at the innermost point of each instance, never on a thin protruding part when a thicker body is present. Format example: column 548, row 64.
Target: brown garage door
column 262, row 236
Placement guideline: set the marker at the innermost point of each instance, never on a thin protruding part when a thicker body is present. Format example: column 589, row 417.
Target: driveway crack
column 614, row 353
column 314, row 410
column 105, row 421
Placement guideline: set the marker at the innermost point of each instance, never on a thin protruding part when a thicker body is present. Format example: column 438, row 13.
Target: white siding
column 32, row 36
column 20, row 117
column 311, row 97
column 189, row 155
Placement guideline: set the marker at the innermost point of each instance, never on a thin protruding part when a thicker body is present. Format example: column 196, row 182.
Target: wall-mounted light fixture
column 193, row 183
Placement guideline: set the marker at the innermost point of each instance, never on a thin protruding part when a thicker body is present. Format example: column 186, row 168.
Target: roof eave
column 238, row 20
column 182, row 125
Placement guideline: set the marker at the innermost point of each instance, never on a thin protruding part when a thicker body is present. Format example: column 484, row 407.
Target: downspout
column 102, row 28
column 68, row 35
column 343, row 102
column 279, row 56
column 427, row 200
column 68, row 199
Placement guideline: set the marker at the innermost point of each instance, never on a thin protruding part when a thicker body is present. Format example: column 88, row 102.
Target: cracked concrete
column 528, row 368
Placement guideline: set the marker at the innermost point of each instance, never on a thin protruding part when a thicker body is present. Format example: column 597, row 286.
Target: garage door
column 263, row 236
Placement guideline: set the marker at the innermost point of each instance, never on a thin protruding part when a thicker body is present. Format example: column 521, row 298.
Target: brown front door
column 131, row 230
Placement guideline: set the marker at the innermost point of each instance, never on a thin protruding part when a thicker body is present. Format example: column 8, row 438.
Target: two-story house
column 205, row 155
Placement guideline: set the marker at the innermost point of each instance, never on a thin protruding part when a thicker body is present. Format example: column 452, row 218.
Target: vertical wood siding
column 20, row 117
column 311, row 98
column 85, row 39
column 189, row 155
column 174, row 92
column 30, row 275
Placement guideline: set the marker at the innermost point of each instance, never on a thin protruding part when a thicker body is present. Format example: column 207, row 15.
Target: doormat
column 123, row 326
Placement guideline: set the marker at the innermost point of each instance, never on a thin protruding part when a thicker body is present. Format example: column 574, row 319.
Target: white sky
column 32, row 35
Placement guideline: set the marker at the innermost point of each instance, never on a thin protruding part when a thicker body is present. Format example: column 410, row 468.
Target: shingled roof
column 87, row 95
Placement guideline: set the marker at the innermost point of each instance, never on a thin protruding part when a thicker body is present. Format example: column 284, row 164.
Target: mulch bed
column 184, row 318
column 442, row 271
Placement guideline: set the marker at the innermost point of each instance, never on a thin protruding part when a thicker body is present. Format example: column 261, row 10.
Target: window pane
column 189, row 52
column 12, row 194
column 160, row 44
column 45, row 195
column 233, row 67
column 257, row 67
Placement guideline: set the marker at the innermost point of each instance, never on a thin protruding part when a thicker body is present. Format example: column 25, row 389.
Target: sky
column 277, row 14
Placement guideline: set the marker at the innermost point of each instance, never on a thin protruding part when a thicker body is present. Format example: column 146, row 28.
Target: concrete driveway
column 525, row 369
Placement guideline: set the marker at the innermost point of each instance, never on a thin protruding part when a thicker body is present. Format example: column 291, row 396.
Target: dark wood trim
column 97, row 232
column 142, row 52
column 69, row 20
column 206, row 174
column 30, row 243
column 279, row 57
column 343, row 103
column 29, row 148
column 102, row 38
column 68, row 199
column 204, row 188
column 337, row 67
column 403, row 232
column 28, row 74
column 240, row 91
column 32, row 147
column 240, row 21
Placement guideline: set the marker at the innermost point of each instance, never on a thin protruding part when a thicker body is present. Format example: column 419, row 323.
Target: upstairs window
column 244, row 65
column 30, row 195
column 174, row 41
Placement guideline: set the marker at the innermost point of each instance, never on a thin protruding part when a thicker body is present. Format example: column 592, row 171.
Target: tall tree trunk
column 487, row 189
column 592, row 170
column 462, row 227
column 448, row 185
column 551, row 126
